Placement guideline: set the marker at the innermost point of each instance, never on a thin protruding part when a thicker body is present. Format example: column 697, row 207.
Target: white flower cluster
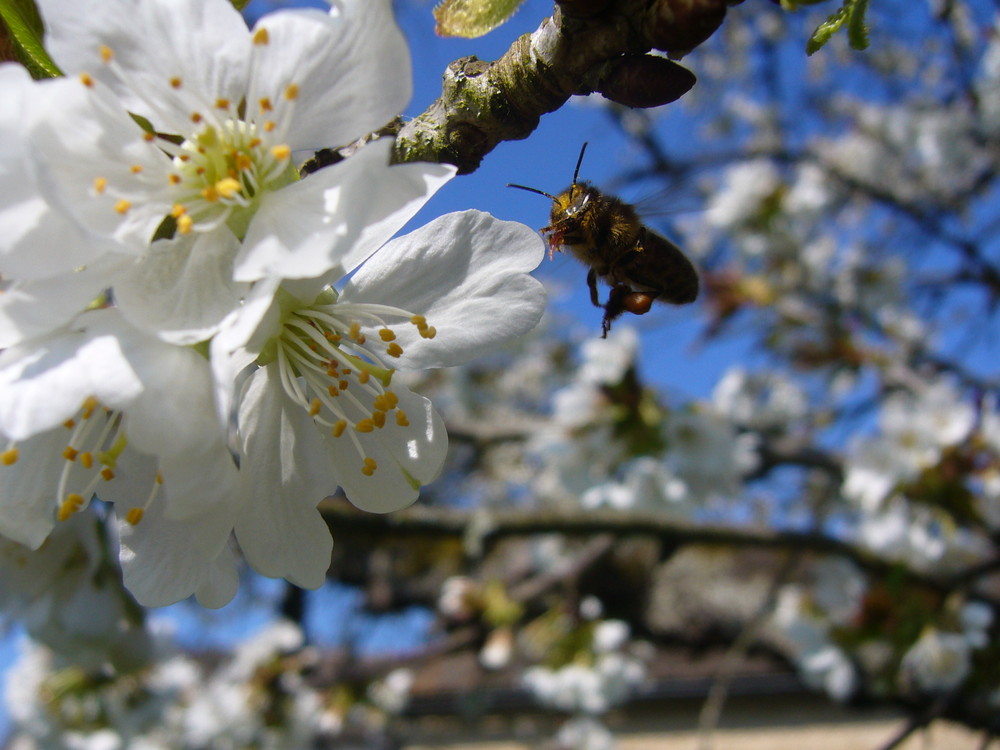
column 594, row 686
column 178, row 338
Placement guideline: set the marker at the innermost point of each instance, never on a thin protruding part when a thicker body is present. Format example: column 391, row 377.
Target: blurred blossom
column 706, row 453
column 392, row 692
column 746, row 186
column 763, row 401
column 605, row 361
column 937, row 662
column 648, row 486
column 584, row 733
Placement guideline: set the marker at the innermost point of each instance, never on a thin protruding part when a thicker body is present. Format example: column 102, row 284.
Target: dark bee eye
column 637, row 303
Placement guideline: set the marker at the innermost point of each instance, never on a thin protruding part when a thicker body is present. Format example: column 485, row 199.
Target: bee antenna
column 532, row 190
column 579, row 161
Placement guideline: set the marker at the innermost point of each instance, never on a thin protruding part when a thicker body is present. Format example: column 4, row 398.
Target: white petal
column 352, row 67
column 182, row 289
column 285, row 473
column 164, row 560
column 36, row 307
column 407, row 457
column 27, row 489
column 205, row 43
column 467, row 273
column 330, row 221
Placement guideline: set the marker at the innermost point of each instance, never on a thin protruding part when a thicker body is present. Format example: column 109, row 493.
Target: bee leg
column 617, row 304
column 592, row 285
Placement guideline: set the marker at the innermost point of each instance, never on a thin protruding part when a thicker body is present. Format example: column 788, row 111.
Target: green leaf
column 472, row 18
column 25, row 26
column 825, row 30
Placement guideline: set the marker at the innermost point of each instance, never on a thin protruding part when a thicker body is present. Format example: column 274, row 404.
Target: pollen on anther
column 339, row 427
column 69, row 506
column 381, row 403
column 134, row 515
column 394, row 349
column 265, row 105
column 196, row 117
column 222, row 103
column 69, row 424
column 378, row 417
column 260, row 36
column 314, row 407
column 429, row 332
column 89, row 405
column 281, row 152
column 419, row 321
column 107, row 474
column 86, row 80
column 87, row 459
column 9, row 457
column 106, row 53
column 387, row 334
column 147, row 136
column 401, row 419
column 269, row 126
column 135, row 168
column 185, row 224
column 159, row 477
column 292, row 91
column 210, row 194
column 228, row 187
column 392, row 399
column 100, row 185
column 365, row 425
column 363, row 377
column 122, row 206
column 333, row 390
column 369, row 467
column 343, row 384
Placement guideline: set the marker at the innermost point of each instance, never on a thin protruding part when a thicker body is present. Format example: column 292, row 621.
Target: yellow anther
column 107, row 474
column 9, row 457
column 69, row 506
column 228, row 187
column 292, row 91
column 355, row 330
column 210, row 194
column 401, row 419
column 134, row 515
column 69, row 424
column 221, row 103
column 392, row 399
column 147, row 136
column 369, row 467
column 243, row 162
column 196, row 117
column 429, row 332
column 106, row 53
column 365, row 425
column 381, row 403
column 175, row 179
column 89, row 405
column 260, row 36
column 333, row 390
column 339, row 427
column 314, row 407
column 265, row 106
column 394, row 349
column 135, row 168
column 419, row 321
column 348, row 371
column 100, row 185
column 254, row 143
column 343, row 384
column 122, row 206
column 86, row 80
column 178, row 210
column 386, row 334
column 269, row 126
column 175, row 82
column 70, row 453
column 363, row 377
column 184, row 157
column 185, row 224
column 87, row 459
column 378, row 417
column 159, row 477
column 281, row 152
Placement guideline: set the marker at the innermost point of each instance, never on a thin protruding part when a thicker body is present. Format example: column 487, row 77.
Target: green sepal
column 24, row 24
column 472, row 18
column 852, row 12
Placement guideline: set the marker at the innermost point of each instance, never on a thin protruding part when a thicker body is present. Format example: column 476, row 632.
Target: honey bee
column 606, row 234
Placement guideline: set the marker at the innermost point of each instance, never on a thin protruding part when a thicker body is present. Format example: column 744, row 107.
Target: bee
column 607, row 235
